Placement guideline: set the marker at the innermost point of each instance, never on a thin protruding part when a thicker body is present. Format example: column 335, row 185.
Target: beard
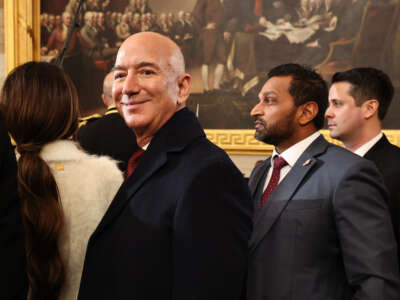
column 278, row 132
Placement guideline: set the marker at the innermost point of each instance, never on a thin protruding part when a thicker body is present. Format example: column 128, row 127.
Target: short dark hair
column 366, row 84
column 306, row 85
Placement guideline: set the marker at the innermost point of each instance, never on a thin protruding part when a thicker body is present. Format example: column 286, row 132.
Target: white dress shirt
column 290, row 155
column 146, row 146
column 368, row 145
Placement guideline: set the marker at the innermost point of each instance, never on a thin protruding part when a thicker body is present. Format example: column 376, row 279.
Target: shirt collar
column 368, row 145
column 146, row 146
column 292, row 154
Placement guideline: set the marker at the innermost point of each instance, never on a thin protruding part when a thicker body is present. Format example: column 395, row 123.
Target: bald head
column 150, row 83
column 107, row 89
column 160, row 46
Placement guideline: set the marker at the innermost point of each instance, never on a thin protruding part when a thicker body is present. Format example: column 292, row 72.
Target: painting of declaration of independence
column 229, row 45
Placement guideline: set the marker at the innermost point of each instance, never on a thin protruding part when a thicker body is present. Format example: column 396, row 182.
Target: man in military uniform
column 108, row 134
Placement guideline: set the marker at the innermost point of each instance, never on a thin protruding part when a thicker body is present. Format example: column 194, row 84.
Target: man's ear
column 370, row 108
column 184, row 87
column 308, row 111
column 104, row 100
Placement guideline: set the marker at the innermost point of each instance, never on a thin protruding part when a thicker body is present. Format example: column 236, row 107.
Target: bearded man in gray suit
column 322, row 227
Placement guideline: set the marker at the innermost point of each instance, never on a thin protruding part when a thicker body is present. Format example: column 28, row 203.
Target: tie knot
column 136, row 156
column 279, row 162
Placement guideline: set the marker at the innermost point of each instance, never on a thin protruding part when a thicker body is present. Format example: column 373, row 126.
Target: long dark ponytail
column 39, row 104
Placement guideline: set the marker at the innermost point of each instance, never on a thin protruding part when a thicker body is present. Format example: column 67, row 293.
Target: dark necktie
column 133, row 162
column 279, row 163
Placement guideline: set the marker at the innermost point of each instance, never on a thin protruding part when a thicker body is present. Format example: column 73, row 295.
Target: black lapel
column 378, row 149
column 283, row 193
column 148, row 166
column 258, row 175
column 256, row 185
column 174, row 136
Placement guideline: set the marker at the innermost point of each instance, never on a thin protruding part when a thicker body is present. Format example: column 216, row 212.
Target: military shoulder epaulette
column 112, row 109
column 84, row 120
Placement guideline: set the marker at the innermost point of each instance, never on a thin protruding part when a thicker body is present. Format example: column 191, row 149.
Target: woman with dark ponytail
column 64, row 191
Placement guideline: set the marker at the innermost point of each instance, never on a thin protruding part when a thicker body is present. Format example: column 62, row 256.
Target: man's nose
column 328, row 113
column 257, row 110
column 131, row 85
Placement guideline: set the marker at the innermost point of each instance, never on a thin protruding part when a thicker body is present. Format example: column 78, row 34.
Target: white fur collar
column 62, row 150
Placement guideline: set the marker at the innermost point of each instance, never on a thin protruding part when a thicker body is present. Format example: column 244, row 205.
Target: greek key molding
column 242, row 141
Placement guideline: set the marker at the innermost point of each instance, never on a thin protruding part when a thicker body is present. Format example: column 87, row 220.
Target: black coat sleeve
column 13, row 280
column 212, row 226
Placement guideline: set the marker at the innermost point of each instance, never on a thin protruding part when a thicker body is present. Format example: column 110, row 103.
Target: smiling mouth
column 132, row 103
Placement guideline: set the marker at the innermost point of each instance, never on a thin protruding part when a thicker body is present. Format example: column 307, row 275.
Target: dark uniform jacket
column 109, row 135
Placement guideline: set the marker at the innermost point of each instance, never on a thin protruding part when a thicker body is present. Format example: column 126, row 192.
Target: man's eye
column 147, row 72
column 268, row 100
column 119, row 75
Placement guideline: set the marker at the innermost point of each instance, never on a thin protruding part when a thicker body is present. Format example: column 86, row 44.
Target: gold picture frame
column 22, row 44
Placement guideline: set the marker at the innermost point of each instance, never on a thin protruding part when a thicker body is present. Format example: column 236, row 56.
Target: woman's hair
column 40, row 105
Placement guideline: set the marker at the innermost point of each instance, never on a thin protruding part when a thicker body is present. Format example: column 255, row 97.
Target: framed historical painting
column 229, row 46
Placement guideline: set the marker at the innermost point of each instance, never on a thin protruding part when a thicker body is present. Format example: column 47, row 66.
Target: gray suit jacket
column 324, row 233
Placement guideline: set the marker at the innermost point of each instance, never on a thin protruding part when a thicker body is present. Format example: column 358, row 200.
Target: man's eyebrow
column 117, row 68
column 147, row 64
column 138, row 66
column 266, row 94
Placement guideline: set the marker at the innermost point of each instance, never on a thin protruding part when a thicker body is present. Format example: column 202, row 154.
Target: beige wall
column 246, row 163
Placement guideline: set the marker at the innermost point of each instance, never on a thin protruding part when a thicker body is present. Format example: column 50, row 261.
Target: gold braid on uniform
column 84, row 120
column 112, row 109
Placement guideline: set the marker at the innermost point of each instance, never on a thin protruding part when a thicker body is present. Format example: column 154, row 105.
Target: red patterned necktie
column 279, row 163
column 133, row 162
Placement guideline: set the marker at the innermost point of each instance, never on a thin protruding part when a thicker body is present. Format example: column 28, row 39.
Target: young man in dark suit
column 179, row 226
column 322, row 228
column 358, row 102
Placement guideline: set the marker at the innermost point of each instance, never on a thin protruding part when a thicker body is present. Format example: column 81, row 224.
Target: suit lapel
column 284, row 192
column 259, row 174
column 377, row 150
column 256, row 185
column 148, row 165
column 172, row 137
